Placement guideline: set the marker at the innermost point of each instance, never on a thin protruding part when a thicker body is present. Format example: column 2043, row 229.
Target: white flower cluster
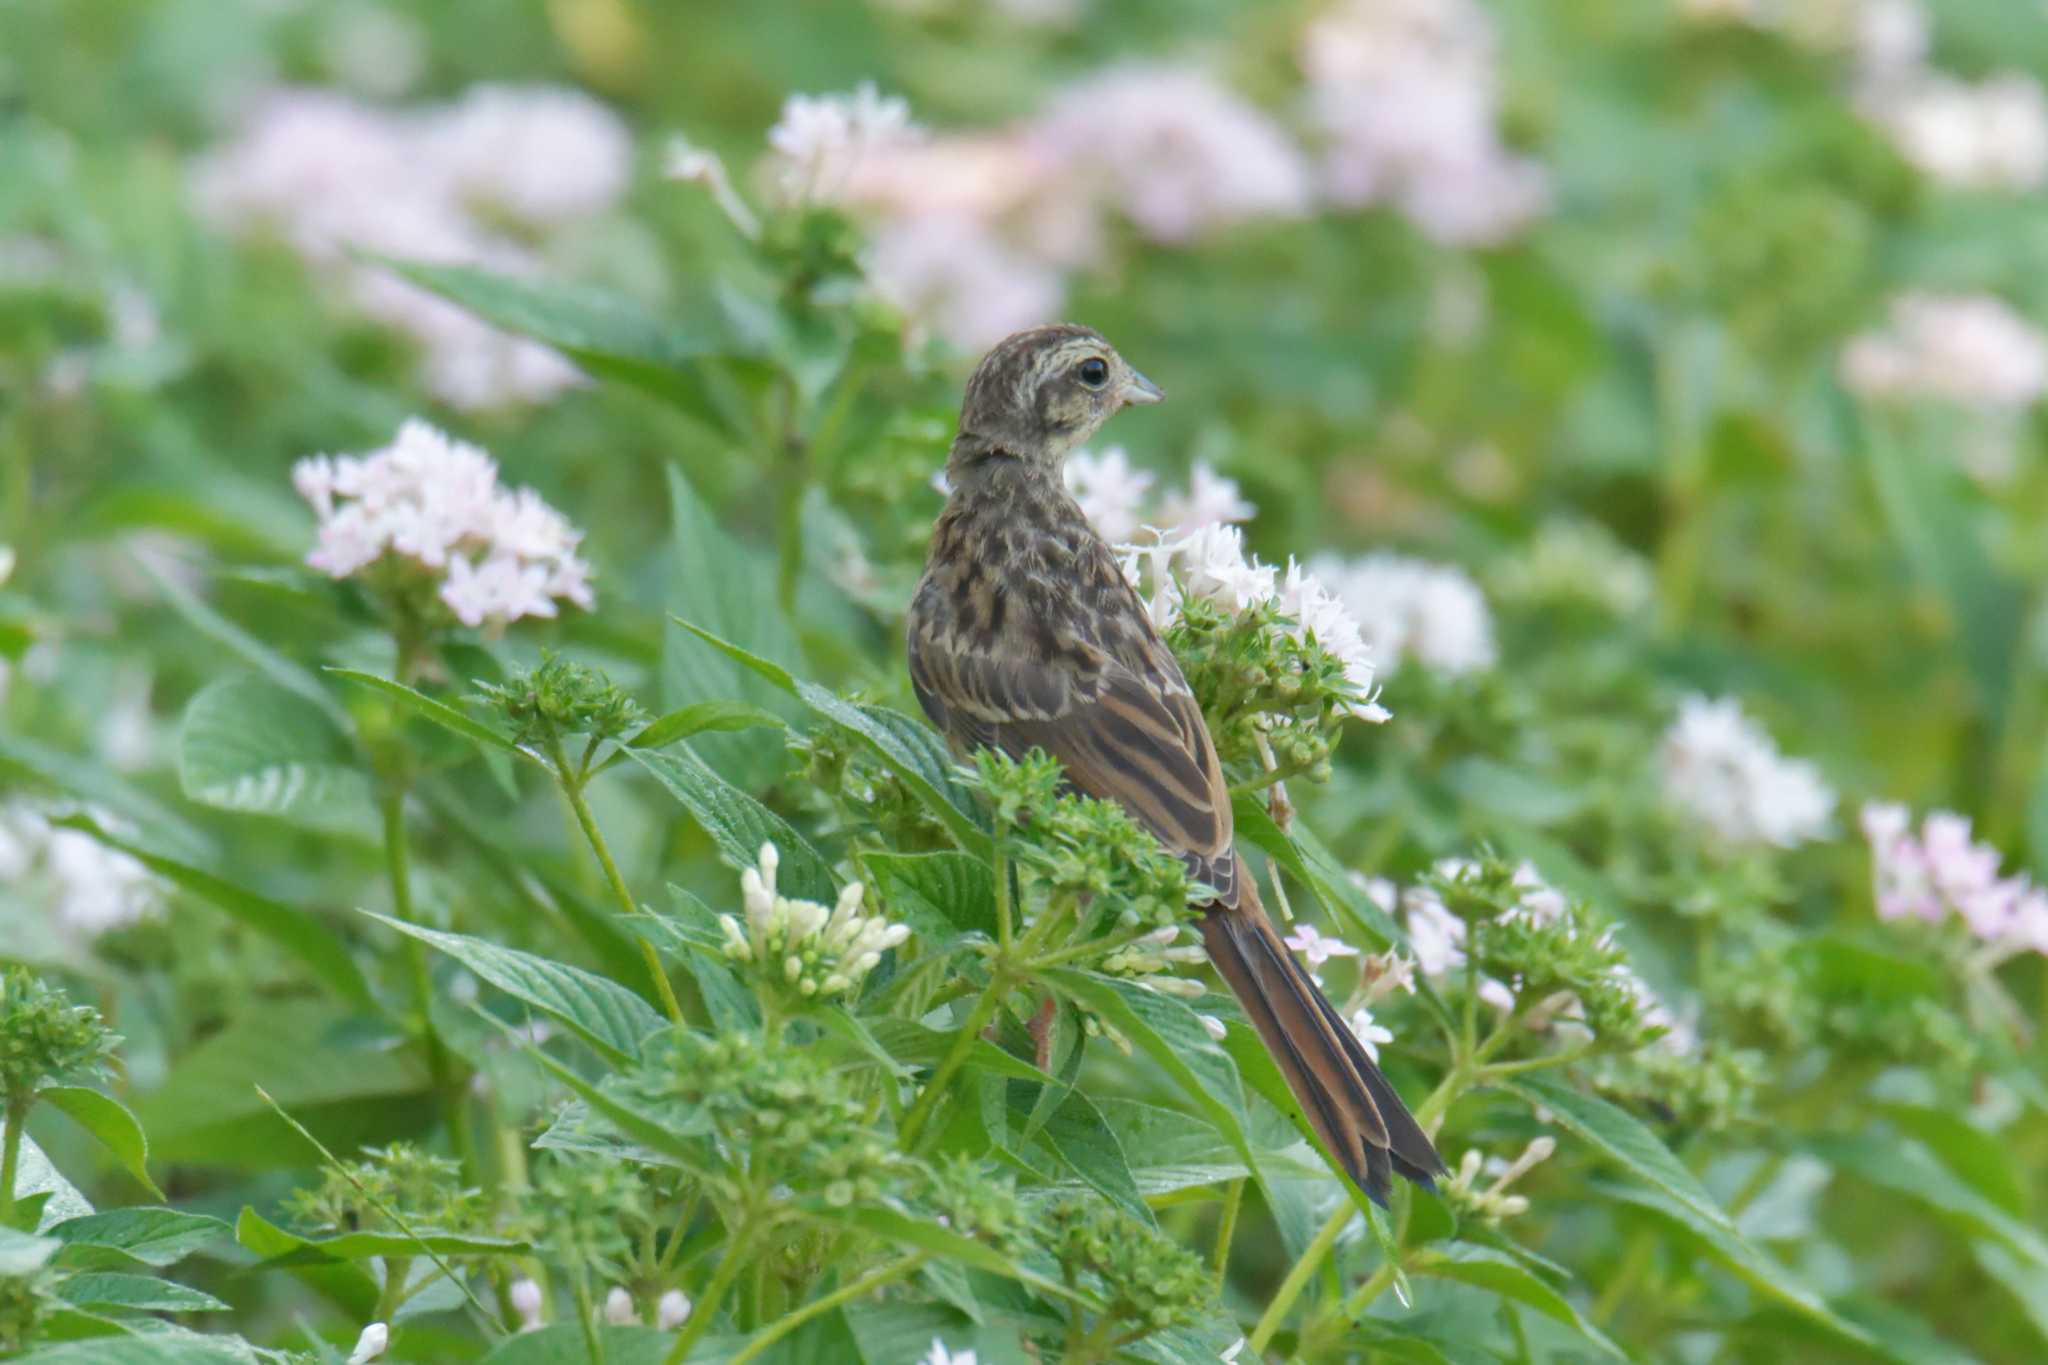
column 87, row 887
column 816, row 950
column 1968, row 349
column 973, row 233
column 823, row 143
column 500, row 553
column 1152, row 960
column 1210, row 564
column 1410, row 608
column 1405, row 93
column 1942, row 871
column 1721, row 770
column 1114, row 494
column 480, row 181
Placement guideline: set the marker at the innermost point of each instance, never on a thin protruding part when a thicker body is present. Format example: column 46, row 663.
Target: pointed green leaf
column 439, row 712
column 122, row 1238
column 909, row 748
column 739, row 825
column 937, row 894
column 248, row 745
column 110, row 1123
column 598, row 1010
column 1492, row 1271
column 135, row 1294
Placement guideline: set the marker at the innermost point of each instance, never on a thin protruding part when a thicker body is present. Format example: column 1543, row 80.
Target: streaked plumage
column 1024, row 633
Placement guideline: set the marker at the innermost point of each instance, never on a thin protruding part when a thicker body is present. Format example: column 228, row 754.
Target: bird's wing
column 1130, row 735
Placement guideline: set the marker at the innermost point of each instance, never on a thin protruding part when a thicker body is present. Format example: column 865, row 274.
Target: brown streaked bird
column 1024, row 634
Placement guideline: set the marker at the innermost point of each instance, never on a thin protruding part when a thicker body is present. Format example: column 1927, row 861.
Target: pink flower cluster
column 500, row 553
column 484, row 181
column 1941, row 871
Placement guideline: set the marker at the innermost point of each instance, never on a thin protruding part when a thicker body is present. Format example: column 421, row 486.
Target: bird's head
column 1040, row 393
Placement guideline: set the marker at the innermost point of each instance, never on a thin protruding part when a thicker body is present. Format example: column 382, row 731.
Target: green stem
column 1375, row 1285
column 730, row 1265
column 956, row 1056
column 572, row 788
column 586, row 1315
column 1297, row 1279
column 439, row 1065
column 1226, row 1231
column 10, row 1153
column 783, row 1326
column 1002, row 871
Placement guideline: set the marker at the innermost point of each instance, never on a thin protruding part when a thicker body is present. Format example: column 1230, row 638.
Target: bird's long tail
column 1345, row 1098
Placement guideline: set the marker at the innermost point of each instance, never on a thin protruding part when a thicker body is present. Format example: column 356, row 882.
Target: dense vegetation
column 485, row 892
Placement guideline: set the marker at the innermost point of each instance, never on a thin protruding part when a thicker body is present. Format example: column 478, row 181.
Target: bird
column 1024, row 634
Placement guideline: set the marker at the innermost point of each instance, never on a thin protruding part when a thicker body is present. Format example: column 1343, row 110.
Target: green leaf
column 295, row 931
column 915, row 1044
column 361, row 1246
column 24, row 1252
column 2025, row 1281
column 739, row 825
column 700, row 717
column 1925, row 500
column 439, row 712
column 348, row 1084
column 266, row 661
column 25, row 759
column 1305, row 859
column 347, row 1283
column 1081, row 1140
column 609, row 1017
column 921, row 1234
column 910, row 749
column 1675, row 1192
column 126, row 1237
column 938, row 894
column 156, row 1348
column 651, row 1131
column 135, row 1294
column 109, row 1121
column 564, row 1343
column 248, row 745
column 730, row 588
column 1905, row 1167
column 1496, row 1273
column 1168, row 1032
column 610, row 336
column 40, row 1187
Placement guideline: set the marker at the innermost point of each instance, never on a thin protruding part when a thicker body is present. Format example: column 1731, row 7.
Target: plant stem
column 1297, row 1278
column 439, row 1067
column 572, row 788
column 963, row 1043
column 783, row 1326
column 1002, row 870
column 1227, row 1230
column 730, row 1265
column 10, row 1154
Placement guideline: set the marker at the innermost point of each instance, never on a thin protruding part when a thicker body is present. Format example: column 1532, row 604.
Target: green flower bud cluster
column 45, row 1039
column 1074, row 849
column 423, row 1190
column 976, row 1201
column 802, row 946
column 1264, row 688
column 562, row 697
column 26, row 1299
column 1148, row 1281
column 865, row 798
column 589, row 1210
column 769, row 1117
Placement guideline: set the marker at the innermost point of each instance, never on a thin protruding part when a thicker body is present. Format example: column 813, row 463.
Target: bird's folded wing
column 1122, row 736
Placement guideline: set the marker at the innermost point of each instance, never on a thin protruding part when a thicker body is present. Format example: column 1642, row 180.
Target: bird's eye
column 1094, row 371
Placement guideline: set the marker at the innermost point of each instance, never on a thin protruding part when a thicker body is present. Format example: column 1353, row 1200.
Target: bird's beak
column 1138, row 391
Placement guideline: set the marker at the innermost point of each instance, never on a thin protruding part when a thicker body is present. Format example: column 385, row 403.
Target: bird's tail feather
column 1351, row 1106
